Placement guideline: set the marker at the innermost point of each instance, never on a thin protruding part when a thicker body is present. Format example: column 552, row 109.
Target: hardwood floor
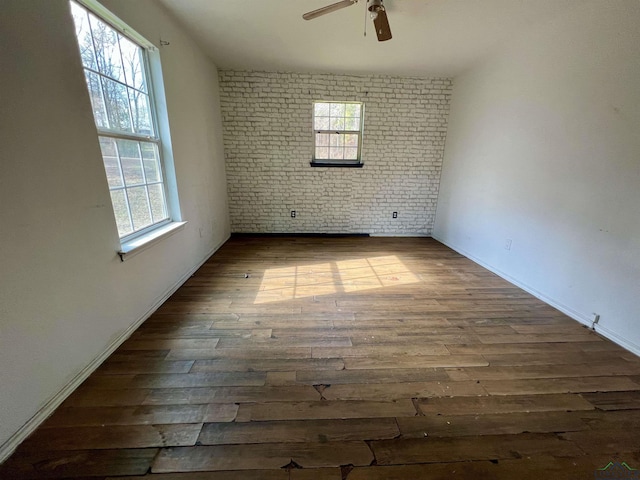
column 346, row 358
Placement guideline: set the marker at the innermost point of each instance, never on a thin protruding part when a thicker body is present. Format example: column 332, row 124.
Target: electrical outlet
column 293, row 214
column 507, row 244
column 395, row 214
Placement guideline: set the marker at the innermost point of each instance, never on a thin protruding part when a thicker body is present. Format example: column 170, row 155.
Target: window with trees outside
column 337, row 134
column 116, row 73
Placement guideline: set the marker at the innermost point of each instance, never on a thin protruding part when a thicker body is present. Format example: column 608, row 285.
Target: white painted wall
column 65, row 297
column 543, row 148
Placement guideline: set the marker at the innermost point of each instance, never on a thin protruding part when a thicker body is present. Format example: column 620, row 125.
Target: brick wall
column 268, row 139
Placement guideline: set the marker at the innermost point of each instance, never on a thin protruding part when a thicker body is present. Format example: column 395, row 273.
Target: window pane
column 351, row 140
column 115, row 95
column 131, row 162
column 352, row 110
column 337, row 124
column 352, row 123
column 151, row 161
column 83, row 33
column 140, row 208
column 111, row 163
column 158, row 203
column 322, row 139
column 322, row 152
column 321, row 109
column 336, row 153
column 107, row 49
column 133, row 64
column 351, row 153
column 321, row 123
column 119, row 201
column 337, row 109
column 97, row 102
column 337, row 140
column 140, row 112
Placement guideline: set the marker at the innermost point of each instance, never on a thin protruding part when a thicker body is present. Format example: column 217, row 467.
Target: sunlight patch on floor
column 300, row 281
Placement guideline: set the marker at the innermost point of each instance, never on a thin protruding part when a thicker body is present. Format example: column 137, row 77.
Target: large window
column 337, row 134
column 116, row 71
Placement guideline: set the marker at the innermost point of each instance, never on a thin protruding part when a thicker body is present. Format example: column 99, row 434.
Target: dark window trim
column 322, row 163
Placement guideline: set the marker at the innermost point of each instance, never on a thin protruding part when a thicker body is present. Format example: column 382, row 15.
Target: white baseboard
column 577, row 316
column 400, row 235
column 54, row 402
column 615, row 338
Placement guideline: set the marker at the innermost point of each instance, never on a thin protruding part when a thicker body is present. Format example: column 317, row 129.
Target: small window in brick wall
column 337, row 134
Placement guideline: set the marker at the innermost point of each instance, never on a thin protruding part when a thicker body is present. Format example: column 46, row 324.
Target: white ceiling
column 430, row 37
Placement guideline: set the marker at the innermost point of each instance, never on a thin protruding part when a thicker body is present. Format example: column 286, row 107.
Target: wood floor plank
column 267, row 365
column 117, row 367
column 134, row 355
column 382, row 351
column 112, row 436
column 416, row 361
column 529, row 348
column 108, row 382
column 90, row 397
column 451, row 449
column 176, row 396
column 85, row 463
column 240, row 353
column 569, row 328
column 190, row 380
column 284, row 342
column 281, row 378
column 391, row 320
column 502, row 404
column 371, row 376
column 489, row 424
column 315, row 474
column 326, row 410
column 169, row 343
column 332, row 430
column 600, row 441
column 220, row 412
column 450, row 339
column 612, row 367
column 614, row 400
column 274, row 474
column 128, row 415
column 559, row 385
column 248, row 457
column 394, row 391
column 540, row 338
column 611, row 420
column 180, row 396
column 550, row 358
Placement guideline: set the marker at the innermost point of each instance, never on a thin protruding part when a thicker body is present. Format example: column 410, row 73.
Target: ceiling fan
column 376, row 7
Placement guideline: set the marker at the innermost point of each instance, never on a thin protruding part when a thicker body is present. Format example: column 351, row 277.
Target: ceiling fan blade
column 328, row 9
column 381, row 22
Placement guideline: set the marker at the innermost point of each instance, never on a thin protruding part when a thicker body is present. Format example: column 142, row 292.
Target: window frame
column 161, row 144
column 329, row 162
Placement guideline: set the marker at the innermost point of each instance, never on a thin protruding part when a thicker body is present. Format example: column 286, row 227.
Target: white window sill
column 139, row 244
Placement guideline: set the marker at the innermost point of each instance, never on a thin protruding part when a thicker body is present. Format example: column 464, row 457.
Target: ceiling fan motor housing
column 375, row 6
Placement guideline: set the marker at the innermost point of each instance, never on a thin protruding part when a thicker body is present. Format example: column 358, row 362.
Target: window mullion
column 126, row 192
column 95, row 52
column 127, row 136
column 146, row 184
